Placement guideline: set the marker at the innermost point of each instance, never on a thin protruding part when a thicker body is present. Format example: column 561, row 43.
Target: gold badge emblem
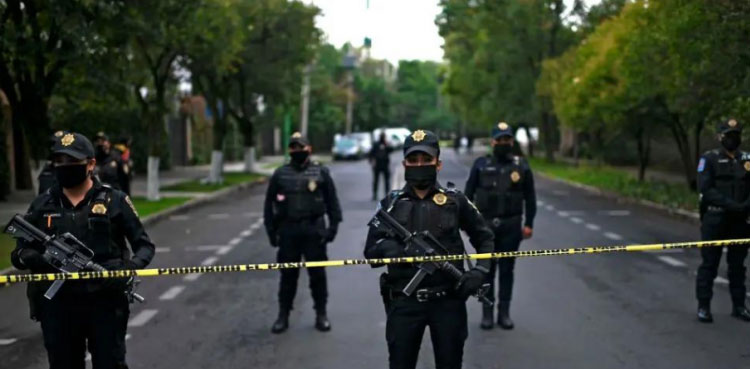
column 296, row 135
column 67, row 140
column 732, row 123
column 99, row 209
column 312, row 185
column 502, row 126
column 58, row 134
column 515, row 176
column 418, row 135
column 747, row 166
column 130, row 203
column 440, row 199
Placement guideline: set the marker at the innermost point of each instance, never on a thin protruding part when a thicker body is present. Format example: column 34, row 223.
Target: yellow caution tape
column 338, row 263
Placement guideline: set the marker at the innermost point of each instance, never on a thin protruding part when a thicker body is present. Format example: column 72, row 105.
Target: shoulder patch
column 701, row 165
column 130, row 203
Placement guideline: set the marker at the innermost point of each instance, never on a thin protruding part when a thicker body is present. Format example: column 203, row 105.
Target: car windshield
column 346, row 143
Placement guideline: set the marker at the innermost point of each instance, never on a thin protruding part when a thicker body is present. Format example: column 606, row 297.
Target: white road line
column 7, row 341
column 142, row 318
column 593, row 227
column 549, row 207
column 540, row 203
column 224, row 250
column 235, row 241
column 192, row 277
column 218, row 216
column 161, row 250
column 178, row 218
column 246, row 233
column 563, row 214
column 127, row 336
column 211, row 260
column 617, row 213
column 671, row 261
column 721, row 280
column 613, row 236
column 204, row 248
column 252, row 214
column 576, row 220
column 256, row 225
column 172, row 293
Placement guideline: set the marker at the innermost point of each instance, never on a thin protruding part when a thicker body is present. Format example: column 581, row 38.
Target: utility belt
column 313, row 219
column 427, row 294
column 498, row 221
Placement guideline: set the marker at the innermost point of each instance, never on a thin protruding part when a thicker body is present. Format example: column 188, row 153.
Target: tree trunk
column 546, row 134
column 680, row 136
column 152, row 179
column 643, row 138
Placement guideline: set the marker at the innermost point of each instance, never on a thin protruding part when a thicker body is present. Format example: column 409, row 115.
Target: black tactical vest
column 732, row 176
column 107, row 172
column 499, row 191
column 300, row 194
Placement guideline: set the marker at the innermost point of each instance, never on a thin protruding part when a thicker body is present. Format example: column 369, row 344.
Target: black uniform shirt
column 724, row 181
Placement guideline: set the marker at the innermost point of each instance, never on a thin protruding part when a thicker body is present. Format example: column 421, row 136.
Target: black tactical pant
column 508, row 237
column 298, row 240
column 718, row 227
column 377, row 172
column 407, row 319
column 70, row 326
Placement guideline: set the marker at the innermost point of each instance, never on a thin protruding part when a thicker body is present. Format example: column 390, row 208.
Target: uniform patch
column 99, row 209
column 113, row 164
column 515, row 176
column 125, row 168
column 59, row 134
column 312, row 185
column 701, row 165
column 440, row 199
column 130, row 203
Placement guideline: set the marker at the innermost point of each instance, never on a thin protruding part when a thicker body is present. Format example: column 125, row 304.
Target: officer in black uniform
column 423, row 204
column 502, row 186
column 380, row 161
column 89, row 314
column 122, row 150
column 299, row 196
column 109, row 166
column 724, row 185
column 46, row 177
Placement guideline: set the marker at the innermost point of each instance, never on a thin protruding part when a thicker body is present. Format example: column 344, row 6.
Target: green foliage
column 230, row 179
column 146, row 207
column 7, row 244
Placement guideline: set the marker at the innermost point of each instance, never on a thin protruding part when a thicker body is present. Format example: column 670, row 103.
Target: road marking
column 177, row 218
column 161, row 250
column 576, row 220
column 127, row 336
column 721, row 280
column 252, row 214
column 256, row 225
column 204, row 248
column 234, row 241
column 593, row 227
column 172, row 293
column 617, row 213
column 211, row 260
column 246, row 233
column 560, row 193
column 671, row 261
column 549, row 207
column 218, row 216
column 563, row 214
column 7, row 341
column 613, row 236
column 142, row 318
column 540, row 203
column 192, row 277
column 224, row 250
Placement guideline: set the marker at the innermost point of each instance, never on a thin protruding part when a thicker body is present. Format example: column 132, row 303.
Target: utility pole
column 349, row 62
column 305, row 103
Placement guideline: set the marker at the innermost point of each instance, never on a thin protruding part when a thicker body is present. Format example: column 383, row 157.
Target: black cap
column 729, row 125
column 75, row 145
column 501, row 129
column 101, row 136
column 298, row 138
column 421, row 140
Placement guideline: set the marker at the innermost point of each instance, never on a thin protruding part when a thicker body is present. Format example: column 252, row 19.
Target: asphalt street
column 632, row 310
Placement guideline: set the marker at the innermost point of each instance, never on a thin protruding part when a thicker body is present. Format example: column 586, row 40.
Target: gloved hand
column 32, row 259
column 117, row 284
column 331, row 232
column 389, row 248
column 273, row 238
column 470, row 282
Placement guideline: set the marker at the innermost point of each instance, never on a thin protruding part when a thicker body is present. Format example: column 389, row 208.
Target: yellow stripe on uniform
column 348, row 262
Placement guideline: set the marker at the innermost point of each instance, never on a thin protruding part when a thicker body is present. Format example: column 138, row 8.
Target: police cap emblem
column 296, row 135
column 67, row 140
column 502, row 126
column 747, row 166
column 418, row 135
column 732, row 123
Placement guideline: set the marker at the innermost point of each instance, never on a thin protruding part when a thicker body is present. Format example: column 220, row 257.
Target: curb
column 677, row 213
column 157, row 217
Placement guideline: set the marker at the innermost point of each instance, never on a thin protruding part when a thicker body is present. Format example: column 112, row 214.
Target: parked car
column 394, row 137
column 364, row 139
column 346, row 148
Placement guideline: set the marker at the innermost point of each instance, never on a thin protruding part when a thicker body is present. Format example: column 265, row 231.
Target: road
column 631, row 310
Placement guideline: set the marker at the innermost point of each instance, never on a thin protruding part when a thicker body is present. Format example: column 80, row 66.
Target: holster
column 385, row 291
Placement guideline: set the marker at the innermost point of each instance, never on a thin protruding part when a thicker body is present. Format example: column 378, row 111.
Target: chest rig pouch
column 500, row 190
column 99, row 227
column 733, row 177
column 301, row 196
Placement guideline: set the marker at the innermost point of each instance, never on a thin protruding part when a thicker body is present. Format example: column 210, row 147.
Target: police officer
column 724, row 185
column 380, row 161
column 110, row 168
column 299, row 196
column 423, row 204
column 502, row 186
column 89, row 314
column 122, row 149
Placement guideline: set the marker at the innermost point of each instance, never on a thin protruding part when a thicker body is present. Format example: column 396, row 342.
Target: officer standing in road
column 380, row 161
column 122, row 149
column 109, row 166
column 424, row 205
column 89, row 314
column 299, row 196
column 724, row 185
column 502, row 186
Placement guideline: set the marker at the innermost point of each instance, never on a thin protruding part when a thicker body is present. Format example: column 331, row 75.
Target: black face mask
column 731, row 141
column 70, row 176
column 421, row 177
column 502, row 151
column 299, row 157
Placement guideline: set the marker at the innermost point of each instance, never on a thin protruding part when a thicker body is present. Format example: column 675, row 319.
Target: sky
column 399, row 29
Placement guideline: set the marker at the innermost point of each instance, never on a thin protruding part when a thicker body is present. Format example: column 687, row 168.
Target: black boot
column 321, row 321
column 740, row 312
column 704, row 312
column 282, row 322
column 487, row 322
column 503, row 315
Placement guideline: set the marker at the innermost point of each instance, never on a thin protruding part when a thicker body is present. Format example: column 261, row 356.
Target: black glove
column 273, row 238
column 389, row 248
column 470, row 283
column 331, row 232
column 118, row 284
column 32, row 259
